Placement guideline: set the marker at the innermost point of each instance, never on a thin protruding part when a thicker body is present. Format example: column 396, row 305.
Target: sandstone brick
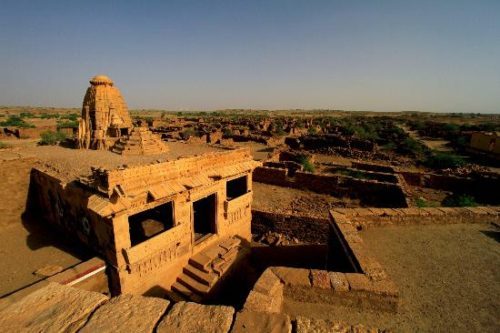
column 268, row 283
column 385, row 287
column 192, row 317
column 358, row 282
column 253, row 322
column 293, row 276
column 338, row 281
column 54, row 308
column 320, row 279
column 264, row 303
column 127, row 313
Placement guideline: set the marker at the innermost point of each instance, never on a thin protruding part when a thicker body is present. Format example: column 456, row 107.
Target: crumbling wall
column 372, row 167
column 482, row 187
column 370, row 192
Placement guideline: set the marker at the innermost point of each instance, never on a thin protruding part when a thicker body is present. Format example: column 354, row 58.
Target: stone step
column 205, row 278
column 186, row 292
column 230, row 243
column 192, row 284
column 201, row 261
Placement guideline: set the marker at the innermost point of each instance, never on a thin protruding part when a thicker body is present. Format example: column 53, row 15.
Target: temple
column 106, row 124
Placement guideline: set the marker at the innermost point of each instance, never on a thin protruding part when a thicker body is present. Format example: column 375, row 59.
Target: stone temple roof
column 101, row 79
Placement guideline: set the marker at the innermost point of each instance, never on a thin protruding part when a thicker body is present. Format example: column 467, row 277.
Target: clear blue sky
column 439, row 55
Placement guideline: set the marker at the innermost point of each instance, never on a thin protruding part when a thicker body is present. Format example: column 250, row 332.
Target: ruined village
column 118, row 220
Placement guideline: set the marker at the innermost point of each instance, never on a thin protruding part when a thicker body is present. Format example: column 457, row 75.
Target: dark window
column 236, row 187
column 147, row 224
column 204, row 216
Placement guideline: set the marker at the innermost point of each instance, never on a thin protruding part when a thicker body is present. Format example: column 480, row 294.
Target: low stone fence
column 369, row 192
column 265, row 301
column 372, row 167
column 374, row 217
column 483, row 188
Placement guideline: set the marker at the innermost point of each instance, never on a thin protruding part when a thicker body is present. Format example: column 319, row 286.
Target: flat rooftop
column 69, row 164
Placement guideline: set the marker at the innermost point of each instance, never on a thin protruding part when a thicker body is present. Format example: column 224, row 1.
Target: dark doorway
column 204, row 217
column 151, row 222
column 236, row 187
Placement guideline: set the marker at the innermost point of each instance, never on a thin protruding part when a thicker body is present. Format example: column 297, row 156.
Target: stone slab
column 293, row 276
column 320, row 279
column 268, row 283
column 253, row 322
column 127, row 313
column 54, row 308
column 338, row 281
column 189, row 317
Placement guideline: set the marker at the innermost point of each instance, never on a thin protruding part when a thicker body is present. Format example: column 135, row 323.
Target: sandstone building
column 177, row 224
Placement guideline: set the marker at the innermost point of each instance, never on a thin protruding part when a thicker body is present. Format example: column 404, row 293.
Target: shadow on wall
column 43, row 234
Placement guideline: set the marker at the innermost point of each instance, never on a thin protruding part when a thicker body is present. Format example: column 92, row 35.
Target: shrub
column 421, row 203
column 4, row 145
column 52, row 138
column 311, row 130
column 441, row 160
column 187, row 133
column 306, row 163
column 16, row 121
column 66, row 124
column 71, row 116
column 461, row 200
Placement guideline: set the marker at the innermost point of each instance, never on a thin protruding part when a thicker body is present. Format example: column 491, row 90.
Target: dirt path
column 448, row 276
column 434, row 144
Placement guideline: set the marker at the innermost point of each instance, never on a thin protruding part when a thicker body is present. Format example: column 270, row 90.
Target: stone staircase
column 205, row 269
column 141, row 141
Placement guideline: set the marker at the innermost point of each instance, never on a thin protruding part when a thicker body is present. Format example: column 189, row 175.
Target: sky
column 437, row 55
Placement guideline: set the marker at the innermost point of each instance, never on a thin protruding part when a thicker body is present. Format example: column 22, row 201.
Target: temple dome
column 101, row 79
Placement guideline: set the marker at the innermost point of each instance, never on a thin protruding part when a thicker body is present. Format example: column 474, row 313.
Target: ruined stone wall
column 372, row 167
column 482, row 188
column 376, row 217
column 370, row 192
column 270, row 175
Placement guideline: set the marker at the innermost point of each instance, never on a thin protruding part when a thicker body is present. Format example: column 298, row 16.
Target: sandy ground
column 293, row 201
column 448, row 276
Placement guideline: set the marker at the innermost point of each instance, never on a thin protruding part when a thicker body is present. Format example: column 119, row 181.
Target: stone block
column 54, row 308
column 264, row 303
column 253, row 322
column 320, row 279
column 187, row 317
column 268, row 283
column 358, row 282
column 338, row 281
column 127, row 313
column 293, row 276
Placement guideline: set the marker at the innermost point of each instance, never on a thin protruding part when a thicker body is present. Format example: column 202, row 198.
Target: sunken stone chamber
column 147, row 221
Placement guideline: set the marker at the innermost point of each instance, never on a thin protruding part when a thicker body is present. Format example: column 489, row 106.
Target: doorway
column 204, row 213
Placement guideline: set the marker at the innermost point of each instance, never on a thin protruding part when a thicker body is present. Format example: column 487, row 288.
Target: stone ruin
column 106, row 123
column 172, row 229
